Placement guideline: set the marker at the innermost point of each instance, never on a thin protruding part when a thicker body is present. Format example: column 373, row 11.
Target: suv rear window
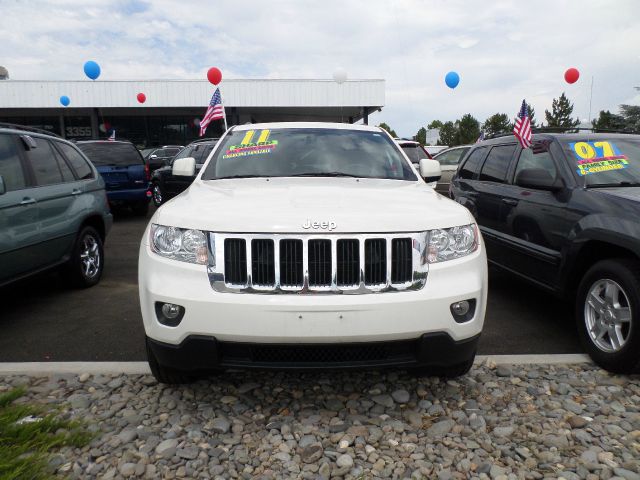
column 111, row 153
column 472, row 165
column 415, row 152
column 497, row 163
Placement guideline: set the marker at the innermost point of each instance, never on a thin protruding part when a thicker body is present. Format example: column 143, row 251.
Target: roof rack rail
column 15, row 126
column 207, row 139
column 562, row 130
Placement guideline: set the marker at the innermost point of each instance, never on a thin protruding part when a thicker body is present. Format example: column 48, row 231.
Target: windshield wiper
column 618, row 184
column 325, row 174
column 240, row 176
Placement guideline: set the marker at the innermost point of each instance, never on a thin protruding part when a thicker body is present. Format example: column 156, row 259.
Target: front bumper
column 206, row 354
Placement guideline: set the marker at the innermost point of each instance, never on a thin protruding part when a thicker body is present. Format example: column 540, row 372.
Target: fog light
column 169, row 314
column 458, row 308
column 464, row 310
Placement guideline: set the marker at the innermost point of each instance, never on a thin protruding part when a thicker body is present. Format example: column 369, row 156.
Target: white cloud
column 504, row 51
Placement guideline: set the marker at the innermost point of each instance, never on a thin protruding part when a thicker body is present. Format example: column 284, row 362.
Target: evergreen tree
column 448, row 135
column 609, row 121
column 435, row 124
column 391, row 131
column 468, row 129
column 631, row 114
column 497, row 123
column 560, row 115
column 421, row 136
column 532, row 116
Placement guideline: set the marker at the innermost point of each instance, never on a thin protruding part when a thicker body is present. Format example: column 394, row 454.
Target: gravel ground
column 518, row 422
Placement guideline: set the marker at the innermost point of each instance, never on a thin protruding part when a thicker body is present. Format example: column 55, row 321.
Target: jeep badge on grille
column 319, row 225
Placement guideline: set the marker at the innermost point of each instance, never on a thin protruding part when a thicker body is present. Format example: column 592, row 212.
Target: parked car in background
column 125, row 172
column 160, row 156
column 435, row 149
column 449, row 160
column 565, row 215
column 165, row 185
column 413, row 150
column 285, row 252
column 53, row 208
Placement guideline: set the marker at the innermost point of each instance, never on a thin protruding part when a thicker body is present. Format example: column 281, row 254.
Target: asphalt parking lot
column 43, row 320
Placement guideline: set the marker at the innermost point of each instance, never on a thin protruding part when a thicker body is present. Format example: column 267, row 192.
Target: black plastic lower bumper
column 203, row 353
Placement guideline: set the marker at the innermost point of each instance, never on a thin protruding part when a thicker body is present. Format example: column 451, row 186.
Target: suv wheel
column 608, row 314
column 87, row 259
column 156, row 190
column 164, row 374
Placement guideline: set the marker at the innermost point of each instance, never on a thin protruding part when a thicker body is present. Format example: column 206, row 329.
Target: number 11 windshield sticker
column 596, row 157
column 247, row 147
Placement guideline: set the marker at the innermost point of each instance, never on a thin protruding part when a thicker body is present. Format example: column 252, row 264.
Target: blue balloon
column 64, row 100
column 92, row 69
column 452, row 79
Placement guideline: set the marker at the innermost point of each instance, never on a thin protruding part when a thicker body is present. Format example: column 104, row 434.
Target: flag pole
column 224, row 114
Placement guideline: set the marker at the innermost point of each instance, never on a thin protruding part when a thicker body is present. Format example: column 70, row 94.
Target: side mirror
column 184, row 167
column 430, row 170
column 537, row 179
column 3, row 187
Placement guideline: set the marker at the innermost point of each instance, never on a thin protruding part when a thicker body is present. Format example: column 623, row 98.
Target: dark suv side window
column 10, row 164
column 77, row 161
column 201, row 153
column 497, row 164
column 48, row 168
column 472, row 163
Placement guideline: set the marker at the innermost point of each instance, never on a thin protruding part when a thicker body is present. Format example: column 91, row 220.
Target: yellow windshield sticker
column 596, row 157
column 247, row 147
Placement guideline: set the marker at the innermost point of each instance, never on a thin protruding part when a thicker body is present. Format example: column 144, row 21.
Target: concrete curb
column 142, row 368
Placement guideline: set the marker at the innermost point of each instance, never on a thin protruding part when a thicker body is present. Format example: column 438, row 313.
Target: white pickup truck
column 310, row 246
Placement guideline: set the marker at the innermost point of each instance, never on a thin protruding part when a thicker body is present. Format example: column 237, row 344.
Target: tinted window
column 170, row 152
column 472, row 164
column 111, row 153
column 185, row 152
column 451, row 157
column 10, row 166
column 414, row 152
column 541, row 160
column 65, row 170
column 319, row 152
column 77, row 161
column 497, row 163
column 44, row 164
column 201, row 152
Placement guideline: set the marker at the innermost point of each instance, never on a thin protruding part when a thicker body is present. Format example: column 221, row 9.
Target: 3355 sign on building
column 78, row 131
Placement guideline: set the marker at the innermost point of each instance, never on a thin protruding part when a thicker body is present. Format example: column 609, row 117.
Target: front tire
column 157, row 194
column 164, row 374
column 87, row 259
column 608, row 314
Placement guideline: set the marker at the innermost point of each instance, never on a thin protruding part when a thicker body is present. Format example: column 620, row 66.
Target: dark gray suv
column 53, row 208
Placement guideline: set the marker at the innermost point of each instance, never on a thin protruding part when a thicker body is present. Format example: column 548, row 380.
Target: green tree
column 631, row 114
column 609, row 121
column 421, row 136
column 497, row 123
column 448, row 134
column 532, row 116
column 560, row 115
column 435, row 124
column 391, row 131
column 468, row 129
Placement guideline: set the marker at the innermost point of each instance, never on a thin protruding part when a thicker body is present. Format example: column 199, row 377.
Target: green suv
column 53, row 208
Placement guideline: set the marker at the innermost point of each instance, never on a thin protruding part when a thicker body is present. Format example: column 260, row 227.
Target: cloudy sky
column 503, row 50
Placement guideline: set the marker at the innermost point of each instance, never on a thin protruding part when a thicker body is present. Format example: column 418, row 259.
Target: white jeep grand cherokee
column 310, row 245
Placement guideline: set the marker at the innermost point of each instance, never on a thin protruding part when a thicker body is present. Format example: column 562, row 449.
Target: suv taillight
column 147, row 172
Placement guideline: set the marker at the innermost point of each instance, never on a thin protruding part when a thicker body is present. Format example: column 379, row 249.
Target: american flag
column 481, row 137
column 522, row 128
column 215, row 111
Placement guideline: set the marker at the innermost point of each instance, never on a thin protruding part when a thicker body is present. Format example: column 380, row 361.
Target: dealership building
column 173, row 108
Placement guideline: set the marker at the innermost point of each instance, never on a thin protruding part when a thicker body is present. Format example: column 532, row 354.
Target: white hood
column 283, row 205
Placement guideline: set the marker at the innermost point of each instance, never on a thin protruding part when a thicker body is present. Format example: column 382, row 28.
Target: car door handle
column 510, row 201
column 75, row 191
column 27, row 201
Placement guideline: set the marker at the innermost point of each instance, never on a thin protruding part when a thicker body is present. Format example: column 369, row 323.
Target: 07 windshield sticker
column 248, row 146
column 597, row 157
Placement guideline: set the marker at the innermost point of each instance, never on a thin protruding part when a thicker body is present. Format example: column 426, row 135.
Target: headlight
column 179, row 244
column 450, row 243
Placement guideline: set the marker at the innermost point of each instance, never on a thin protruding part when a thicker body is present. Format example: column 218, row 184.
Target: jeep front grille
column 356, row 263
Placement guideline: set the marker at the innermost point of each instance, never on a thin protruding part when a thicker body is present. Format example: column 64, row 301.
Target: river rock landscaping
column 510, row 422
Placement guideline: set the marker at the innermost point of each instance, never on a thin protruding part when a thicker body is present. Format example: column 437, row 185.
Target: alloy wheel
column 90, row 256
column 157, row 194
column 607, row 314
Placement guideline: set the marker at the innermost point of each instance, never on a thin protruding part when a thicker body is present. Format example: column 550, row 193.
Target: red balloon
column 571, row 75
column 141, row 97
column 214, row 75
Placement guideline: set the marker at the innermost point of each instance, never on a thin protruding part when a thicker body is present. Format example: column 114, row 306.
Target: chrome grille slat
column 315, row 263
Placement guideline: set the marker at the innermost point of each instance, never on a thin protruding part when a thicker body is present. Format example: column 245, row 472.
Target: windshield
column 111, row 153
column 605, row 162
column 415, row 152
column 319, row 152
